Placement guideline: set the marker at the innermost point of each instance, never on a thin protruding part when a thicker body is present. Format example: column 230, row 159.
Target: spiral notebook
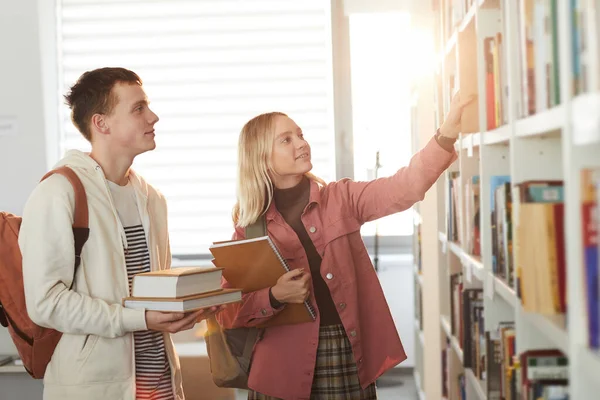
column 254, row 264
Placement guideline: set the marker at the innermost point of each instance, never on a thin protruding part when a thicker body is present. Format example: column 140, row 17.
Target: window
column 208, row 66
column 381, row 80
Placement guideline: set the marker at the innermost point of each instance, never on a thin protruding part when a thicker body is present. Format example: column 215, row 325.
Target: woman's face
column 291, row 153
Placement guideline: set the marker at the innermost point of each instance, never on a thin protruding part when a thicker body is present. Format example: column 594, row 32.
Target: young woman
column 316, row 227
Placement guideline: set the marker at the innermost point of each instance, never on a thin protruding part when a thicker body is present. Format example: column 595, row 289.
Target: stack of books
column 181, row 289
column 255, row 264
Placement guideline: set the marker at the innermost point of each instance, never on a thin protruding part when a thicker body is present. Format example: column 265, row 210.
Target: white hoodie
column 95, row 356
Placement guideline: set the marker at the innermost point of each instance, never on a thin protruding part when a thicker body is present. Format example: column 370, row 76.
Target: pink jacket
column 284, row 359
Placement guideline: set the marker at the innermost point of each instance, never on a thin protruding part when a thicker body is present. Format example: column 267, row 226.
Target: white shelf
column 469, row 17
column 542, row 123
column 468, row 261
column 476, row 266
column 418, row 275
column 453, row 340
column 419, row 332
column 589, row 363
column 552, row 327
column 446, row 326
column 444, row 240
column 419, row 386
column 455, row 248
column 475, row 383
column 451, row 43
column 551, row 144
column 505, row 291
column 499, row 135
column 586, row 119
column 442, row 237
column 469, row 142
column 12, row 369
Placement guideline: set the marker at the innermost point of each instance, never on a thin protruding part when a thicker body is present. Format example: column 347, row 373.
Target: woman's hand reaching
column 451, row 126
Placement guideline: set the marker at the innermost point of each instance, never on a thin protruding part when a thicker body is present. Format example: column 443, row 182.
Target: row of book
column 538, row 208
column 538, row 55
column 538, row 58
column 585, row 17
column 536, row 263
column 496, row 82
column 491, row 355
column 454, row 12
column 465, row 214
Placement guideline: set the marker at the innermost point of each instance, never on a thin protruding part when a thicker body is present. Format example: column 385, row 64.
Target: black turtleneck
column 291, row 204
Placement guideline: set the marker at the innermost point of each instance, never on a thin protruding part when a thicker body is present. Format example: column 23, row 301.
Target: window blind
column 208, row 67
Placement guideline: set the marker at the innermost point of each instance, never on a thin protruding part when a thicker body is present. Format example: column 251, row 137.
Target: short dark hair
column 92, row 94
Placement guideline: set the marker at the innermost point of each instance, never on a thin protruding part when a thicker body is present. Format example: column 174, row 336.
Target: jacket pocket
column 88, row 359
column 107, row 360
column 88, row 345
column 341, row 227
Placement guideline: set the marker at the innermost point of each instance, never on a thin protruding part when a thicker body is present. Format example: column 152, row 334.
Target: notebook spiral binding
column 309, row 306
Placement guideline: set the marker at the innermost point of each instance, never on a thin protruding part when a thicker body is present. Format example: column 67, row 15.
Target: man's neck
column 116, row 168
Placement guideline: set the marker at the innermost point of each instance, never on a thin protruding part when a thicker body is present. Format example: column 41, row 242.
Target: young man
column 106, row 351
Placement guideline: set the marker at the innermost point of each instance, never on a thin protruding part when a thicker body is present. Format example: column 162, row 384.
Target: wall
column 22, row 156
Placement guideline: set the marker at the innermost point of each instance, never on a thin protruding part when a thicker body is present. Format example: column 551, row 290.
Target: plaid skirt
column 336, row 374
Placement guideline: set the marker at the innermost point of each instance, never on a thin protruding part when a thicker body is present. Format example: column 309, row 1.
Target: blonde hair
column 254, row 184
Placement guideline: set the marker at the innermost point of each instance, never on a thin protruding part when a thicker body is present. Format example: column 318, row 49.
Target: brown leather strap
column 81, row 218
column 81, row 231
column 257, row 229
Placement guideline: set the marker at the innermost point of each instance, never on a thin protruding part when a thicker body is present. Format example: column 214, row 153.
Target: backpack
column 230, row 350
column 34, row 343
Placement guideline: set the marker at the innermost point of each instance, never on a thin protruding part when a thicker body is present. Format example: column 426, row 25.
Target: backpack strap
column 81, row 218
column 81, row 231
column 258, row 228
column 253, row 336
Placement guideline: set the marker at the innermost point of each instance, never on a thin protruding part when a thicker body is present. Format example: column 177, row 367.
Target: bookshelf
column 535, row 67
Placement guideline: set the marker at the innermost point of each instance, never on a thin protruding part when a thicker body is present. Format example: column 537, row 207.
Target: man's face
column 131, row 122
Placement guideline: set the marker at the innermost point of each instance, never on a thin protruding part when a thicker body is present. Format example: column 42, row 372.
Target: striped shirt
column 152, row 370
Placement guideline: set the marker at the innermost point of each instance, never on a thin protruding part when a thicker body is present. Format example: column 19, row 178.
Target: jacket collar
column 314, row 198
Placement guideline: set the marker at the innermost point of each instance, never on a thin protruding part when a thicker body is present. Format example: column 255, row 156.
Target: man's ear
column 98, row 124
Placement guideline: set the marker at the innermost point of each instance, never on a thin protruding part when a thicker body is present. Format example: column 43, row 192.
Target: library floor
column 396, row 384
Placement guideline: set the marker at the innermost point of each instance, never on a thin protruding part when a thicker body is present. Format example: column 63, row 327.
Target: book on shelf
column 452, row 221
column 501, row 374
column 472, row 221
column 544, row 374
column 473, row 328
column 185, row 304
column 254, row 264
column 493, row 367
column 446, row 353
column 176, row 282
column 496, row 181
column 539, row 55
column 502, row 264
column 540, row 252
column 590, row 222
column 456, row 311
